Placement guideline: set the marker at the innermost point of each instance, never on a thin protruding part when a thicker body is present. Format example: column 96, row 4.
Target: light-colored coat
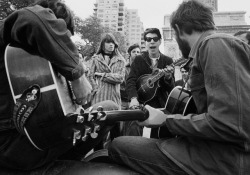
column 108, row 86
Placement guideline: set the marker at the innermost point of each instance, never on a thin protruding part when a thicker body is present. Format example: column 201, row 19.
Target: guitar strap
column 184, row 84
column 25, row 105
column 175, row 104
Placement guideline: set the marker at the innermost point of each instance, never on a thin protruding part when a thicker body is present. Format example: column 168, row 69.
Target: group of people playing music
column 215, row 140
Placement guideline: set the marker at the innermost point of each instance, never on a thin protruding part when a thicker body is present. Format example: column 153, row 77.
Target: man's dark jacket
column 141, row 66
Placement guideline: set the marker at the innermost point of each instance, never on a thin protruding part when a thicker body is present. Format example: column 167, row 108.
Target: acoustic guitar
column 180, row 101
column 57, row 119
column 148, row 84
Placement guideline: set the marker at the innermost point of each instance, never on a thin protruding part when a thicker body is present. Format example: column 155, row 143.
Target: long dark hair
column 108, row 37
column 60, row 10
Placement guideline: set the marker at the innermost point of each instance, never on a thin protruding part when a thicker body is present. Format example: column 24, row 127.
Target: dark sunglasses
column 148, row 39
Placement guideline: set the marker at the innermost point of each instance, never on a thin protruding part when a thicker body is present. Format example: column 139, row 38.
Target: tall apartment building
column 111, row 13
column 114, row 15
column 133, row 26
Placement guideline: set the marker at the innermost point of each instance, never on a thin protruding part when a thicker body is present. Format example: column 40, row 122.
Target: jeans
column 142, row 155
column 16, row 151
column 132, row 128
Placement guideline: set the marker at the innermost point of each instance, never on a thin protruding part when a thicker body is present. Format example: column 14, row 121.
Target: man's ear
column 178, row 29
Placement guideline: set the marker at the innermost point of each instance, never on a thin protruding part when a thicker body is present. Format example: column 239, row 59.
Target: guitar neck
column 126, row 115
column 160, row 74
column 157, row 76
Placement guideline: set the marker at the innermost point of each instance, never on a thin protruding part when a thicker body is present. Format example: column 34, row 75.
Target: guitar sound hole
column 150, row 84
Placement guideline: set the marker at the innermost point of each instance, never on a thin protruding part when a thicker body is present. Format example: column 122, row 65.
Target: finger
column 148, row 107
column 143, row 123
column 80, row 101
column 89, row 98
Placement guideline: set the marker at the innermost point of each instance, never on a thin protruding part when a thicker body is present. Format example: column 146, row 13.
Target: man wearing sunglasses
column 216, row 139
column 146, row 63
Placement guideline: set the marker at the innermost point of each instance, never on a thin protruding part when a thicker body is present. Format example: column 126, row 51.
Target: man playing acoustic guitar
column 142, row 69
column 44, row 29
column 216, row 139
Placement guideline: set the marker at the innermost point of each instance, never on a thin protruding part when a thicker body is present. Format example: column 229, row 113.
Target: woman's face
column 109, row 47
column 134, row 53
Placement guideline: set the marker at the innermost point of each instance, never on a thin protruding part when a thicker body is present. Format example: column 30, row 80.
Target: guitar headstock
column 85, row 124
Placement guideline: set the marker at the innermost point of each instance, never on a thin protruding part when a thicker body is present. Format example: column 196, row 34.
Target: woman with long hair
column 107, row 71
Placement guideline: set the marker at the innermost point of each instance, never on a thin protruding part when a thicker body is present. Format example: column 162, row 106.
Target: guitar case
column 91, row 165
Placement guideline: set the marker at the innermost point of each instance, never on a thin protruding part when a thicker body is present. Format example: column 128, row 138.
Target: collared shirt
column 154, row 61
column 216, row 140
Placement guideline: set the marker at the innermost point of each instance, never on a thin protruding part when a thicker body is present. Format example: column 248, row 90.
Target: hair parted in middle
column 107, row 38
column 192, row 16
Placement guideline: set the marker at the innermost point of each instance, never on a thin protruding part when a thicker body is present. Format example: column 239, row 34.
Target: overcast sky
column 152, row 12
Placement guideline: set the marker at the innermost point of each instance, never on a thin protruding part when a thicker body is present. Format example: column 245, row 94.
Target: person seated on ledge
column 44, row 28
column 215, row 140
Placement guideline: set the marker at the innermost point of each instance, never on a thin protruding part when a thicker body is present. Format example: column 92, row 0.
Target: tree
column 91, row 31
column 9, row 6
column 121, row 40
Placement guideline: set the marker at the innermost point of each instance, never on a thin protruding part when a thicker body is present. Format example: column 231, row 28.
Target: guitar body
column 179, row 101
column 56, row 119
column 147, row 86
column 25, row 69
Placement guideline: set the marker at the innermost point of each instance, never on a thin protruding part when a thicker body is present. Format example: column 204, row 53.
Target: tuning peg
column 79, row 119
column 81, row 111
column 94, row 134
column 76, row 136
column 90, row 109
column 90, row 117
column 87, row 130
column 99, row 109
column 70, row 114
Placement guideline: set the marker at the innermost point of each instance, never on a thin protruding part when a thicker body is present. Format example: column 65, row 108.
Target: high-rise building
column 133, row 26
column 114, row 15
column 111, row 13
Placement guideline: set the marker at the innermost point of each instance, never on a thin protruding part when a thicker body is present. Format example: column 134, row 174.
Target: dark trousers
column 17, row 152
column 142, row 155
